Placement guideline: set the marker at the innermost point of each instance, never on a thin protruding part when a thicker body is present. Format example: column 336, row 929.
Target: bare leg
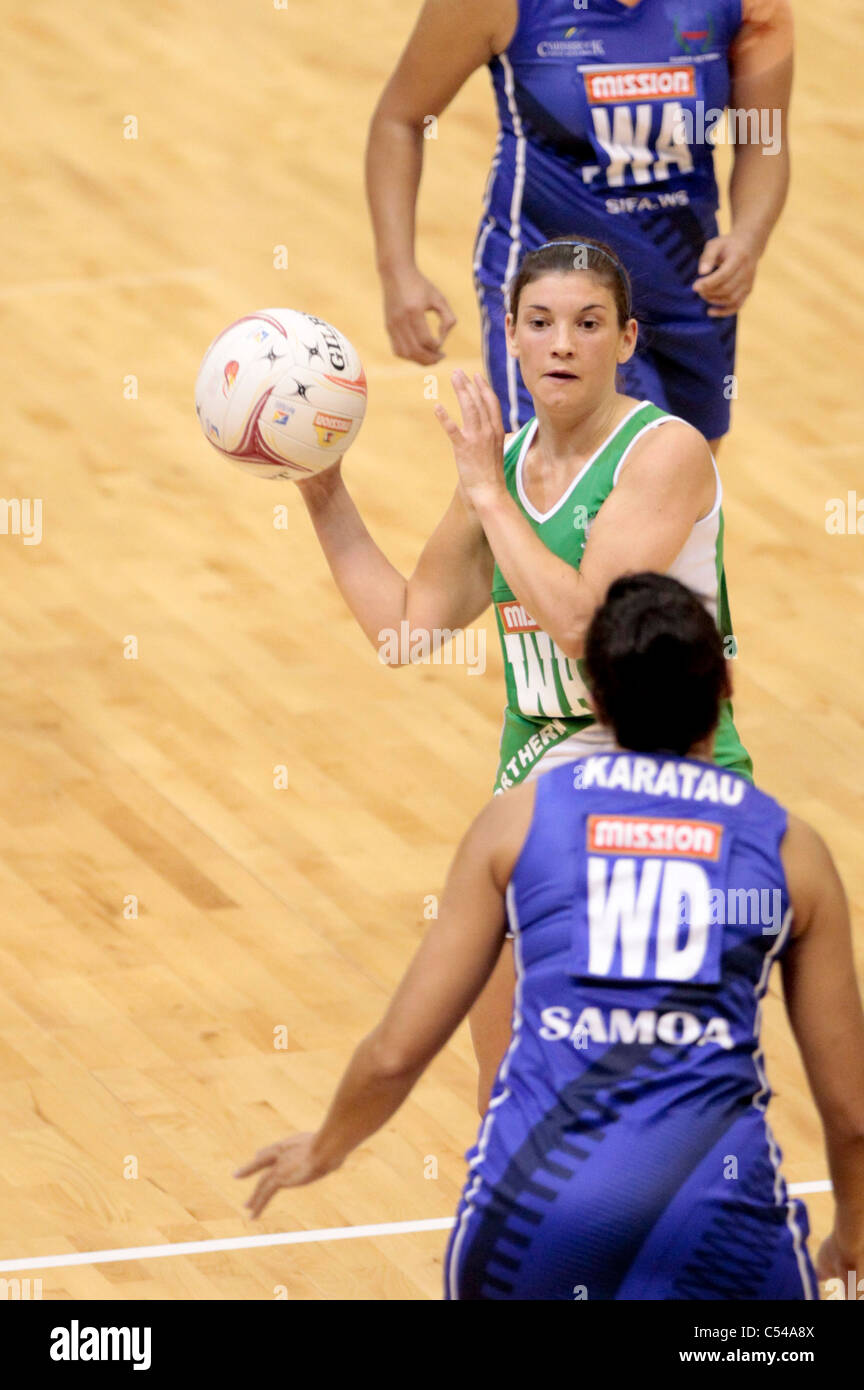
column 490, row 1021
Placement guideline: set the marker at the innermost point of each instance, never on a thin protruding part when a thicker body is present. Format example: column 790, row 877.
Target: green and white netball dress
column 548, row 720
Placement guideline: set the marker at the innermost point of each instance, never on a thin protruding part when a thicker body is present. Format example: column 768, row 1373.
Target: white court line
column 105, row 282
column 208, row 1247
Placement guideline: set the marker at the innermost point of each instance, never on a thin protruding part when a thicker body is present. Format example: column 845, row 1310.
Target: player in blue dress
column 607, row 111
column 625, row 1153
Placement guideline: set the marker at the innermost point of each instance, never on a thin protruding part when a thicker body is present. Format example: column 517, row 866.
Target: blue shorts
column 684, row 361
column 596, row 1210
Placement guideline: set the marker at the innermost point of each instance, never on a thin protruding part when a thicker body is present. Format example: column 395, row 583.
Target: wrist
column 318, row 490
column 393, row 265
column 753, row 238
column 489, row 499
column 848, row 1242
column 324, row 1154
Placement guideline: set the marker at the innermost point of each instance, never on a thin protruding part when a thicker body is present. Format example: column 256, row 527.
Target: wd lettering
column 635, row 921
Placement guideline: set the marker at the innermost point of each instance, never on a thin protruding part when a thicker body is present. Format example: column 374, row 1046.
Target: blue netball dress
column 603, row 116
column 625, row 1153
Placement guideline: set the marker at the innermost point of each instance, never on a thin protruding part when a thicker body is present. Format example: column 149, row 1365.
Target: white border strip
column 209, row 1247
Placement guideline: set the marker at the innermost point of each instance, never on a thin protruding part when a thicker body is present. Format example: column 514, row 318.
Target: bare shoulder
column 450, row 40
column 767, row 14
column 803, row 844
column 765, row 38
column 501, row 828
column 505, row 14
column 809, row 867
column 492, row 23
column 669, row 448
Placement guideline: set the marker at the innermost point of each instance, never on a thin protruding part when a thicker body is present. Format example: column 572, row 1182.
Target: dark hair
column 568, row 253
column 655, row 664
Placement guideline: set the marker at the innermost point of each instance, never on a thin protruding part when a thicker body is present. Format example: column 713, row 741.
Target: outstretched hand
column 287, row 1163
column 478, row 447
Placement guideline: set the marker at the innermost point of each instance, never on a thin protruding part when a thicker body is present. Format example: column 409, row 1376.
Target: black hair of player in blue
column 567, row 253
column 655, row 664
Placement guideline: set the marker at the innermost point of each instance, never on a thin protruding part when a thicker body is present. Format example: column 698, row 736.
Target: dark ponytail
column 655, row 664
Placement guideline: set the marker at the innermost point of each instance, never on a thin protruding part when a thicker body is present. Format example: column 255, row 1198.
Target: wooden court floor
column 137, row 1056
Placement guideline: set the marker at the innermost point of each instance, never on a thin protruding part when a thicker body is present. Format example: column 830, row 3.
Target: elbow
column 390, row 1059
column 391, row 653
column 389, row 118
column 404, row 645
column 572, row 643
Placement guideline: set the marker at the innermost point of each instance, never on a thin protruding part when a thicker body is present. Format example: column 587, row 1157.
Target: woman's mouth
column 562, row 376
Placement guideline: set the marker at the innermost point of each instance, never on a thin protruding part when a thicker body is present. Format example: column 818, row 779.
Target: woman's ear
column 627, row 342
column 510, row 334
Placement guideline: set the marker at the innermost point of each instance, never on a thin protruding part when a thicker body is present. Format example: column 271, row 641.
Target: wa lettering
column 543, row 675
column 628, row 142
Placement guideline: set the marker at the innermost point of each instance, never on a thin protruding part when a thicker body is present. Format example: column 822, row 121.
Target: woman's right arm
column 824, row 1007
column 450, row 586
column 452, row 38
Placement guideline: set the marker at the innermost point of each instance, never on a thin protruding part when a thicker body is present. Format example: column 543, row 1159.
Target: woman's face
column 567, row 339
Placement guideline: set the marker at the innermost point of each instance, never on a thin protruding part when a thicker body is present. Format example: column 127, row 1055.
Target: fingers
column 414, row 339
column 267, row 1188
column 292, row 1170
column 408, row 300
column 451, row 429
column 726, row 289
column 411, row 337
column 446, row 317
column 726, row 275
column 712, row 254
column 285, row 1164
column 491, row 403
column 728, row 301
column 466, row 392
column 731, row 276
column 481, row 411
column 731, row 269
column 262, row 1159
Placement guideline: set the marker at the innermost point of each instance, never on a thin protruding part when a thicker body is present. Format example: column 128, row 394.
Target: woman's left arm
column 760, row 61
column 642, row 525
column 446, row 976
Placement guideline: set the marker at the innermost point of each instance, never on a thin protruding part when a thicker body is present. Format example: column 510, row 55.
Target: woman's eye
column 589, row 323
column 538, row 323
